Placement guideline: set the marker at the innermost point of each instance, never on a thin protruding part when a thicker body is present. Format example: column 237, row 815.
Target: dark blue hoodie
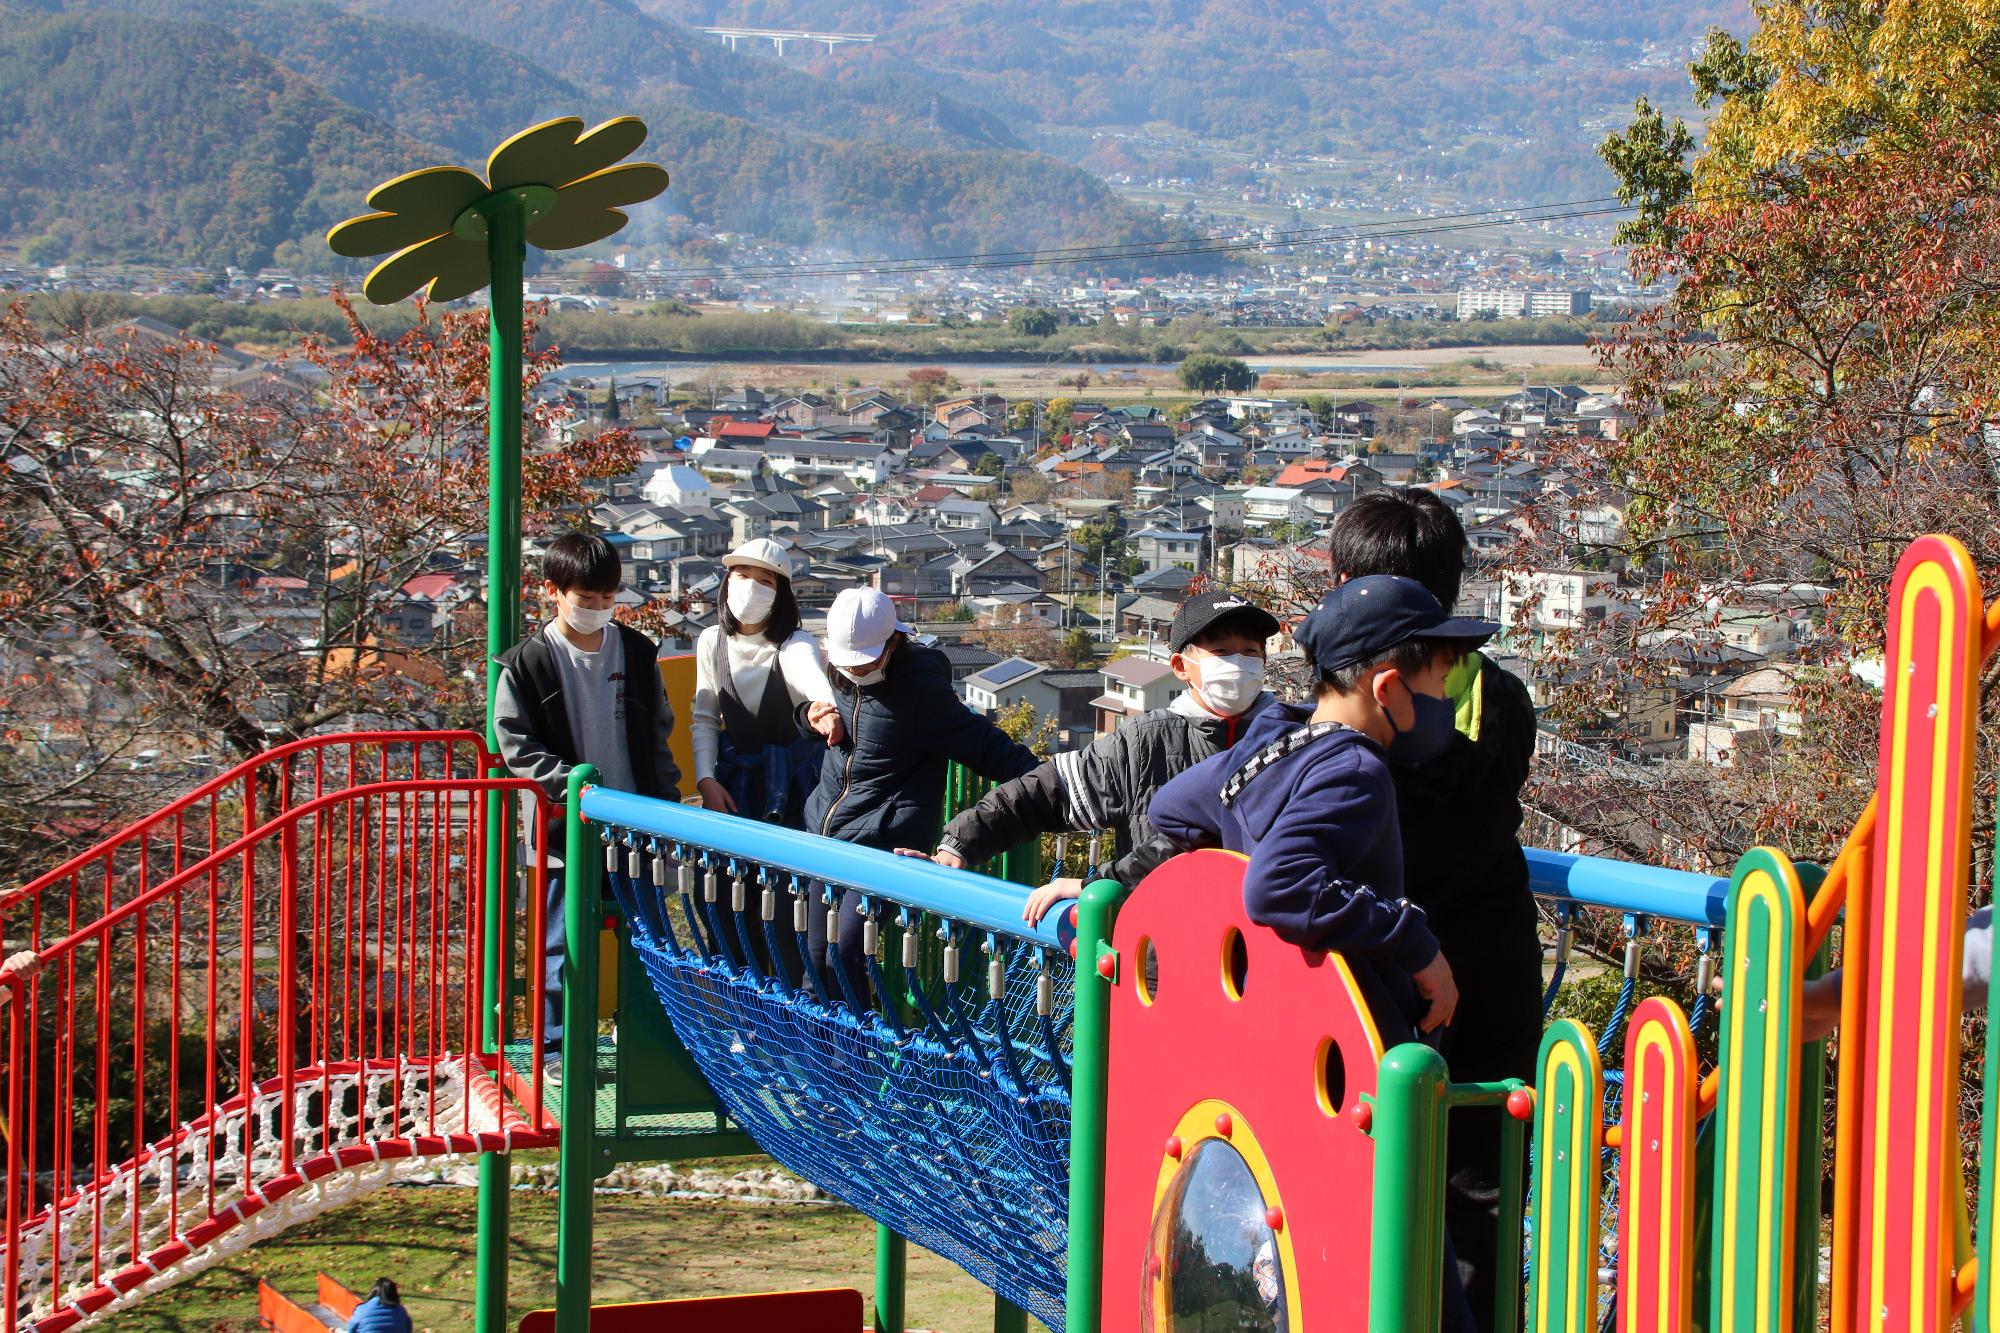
column 1319, row 825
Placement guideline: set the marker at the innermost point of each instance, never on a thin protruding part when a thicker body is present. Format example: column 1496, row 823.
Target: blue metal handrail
column 974, row 899
column 995, row 904
column 1625, row 886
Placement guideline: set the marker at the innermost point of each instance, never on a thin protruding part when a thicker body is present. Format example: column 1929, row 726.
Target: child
column 381, row 1312
column 1218, row 642
column 751, row 672
column 1472, row 885
column 882, row 782
column 1309, row 796
column 581, row 690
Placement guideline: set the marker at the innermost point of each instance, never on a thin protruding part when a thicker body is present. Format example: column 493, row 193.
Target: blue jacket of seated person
column 1314, row 806
column 377, row 1316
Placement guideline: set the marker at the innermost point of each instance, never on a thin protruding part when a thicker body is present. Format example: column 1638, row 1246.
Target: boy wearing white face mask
column 1218, row 641
column 581, row 690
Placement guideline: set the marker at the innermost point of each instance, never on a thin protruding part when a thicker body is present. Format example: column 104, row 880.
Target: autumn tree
column 194, row 564
column 930, row 383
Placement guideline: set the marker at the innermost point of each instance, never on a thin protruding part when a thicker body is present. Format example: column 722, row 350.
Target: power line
column 1162, row 249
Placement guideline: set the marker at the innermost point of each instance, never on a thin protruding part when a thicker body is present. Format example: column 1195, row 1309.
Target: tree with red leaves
column 193, row 561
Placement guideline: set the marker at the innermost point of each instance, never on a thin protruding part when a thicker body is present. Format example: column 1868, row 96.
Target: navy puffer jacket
column 883, row 785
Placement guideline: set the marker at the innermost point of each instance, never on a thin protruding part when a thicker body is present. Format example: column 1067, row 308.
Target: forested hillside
column 235, row 131
column 1452, row 86
column 128, row 141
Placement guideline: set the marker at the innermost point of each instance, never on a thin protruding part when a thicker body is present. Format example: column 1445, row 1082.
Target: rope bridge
column 935, row 1098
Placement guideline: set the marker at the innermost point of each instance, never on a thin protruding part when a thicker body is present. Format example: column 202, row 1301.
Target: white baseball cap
column 761, row 553
column 859, row 625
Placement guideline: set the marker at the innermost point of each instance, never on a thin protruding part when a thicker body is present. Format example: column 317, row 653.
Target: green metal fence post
column 1406, row 1266
column 1090, row 1050
column 577, row 1156
column 1507, row 1293
column 506, row 252
column 891, row 1264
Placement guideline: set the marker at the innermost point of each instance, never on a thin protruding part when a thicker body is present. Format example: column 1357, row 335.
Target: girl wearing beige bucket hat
column 752, row 673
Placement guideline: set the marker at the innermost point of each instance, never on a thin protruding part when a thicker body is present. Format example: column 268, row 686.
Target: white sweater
column 748, row 666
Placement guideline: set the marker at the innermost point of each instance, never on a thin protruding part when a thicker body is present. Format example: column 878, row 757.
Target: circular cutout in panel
column 1149, row 971
column 1235, row 963
column 1213, row 1260
column 1330, row 1076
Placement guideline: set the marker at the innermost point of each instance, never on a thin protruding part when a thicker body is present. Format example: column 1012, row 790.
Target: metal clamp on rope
column 610, row 853
column 909, row 939
column 710, row 881
column 1565, row 932
column 635, row 862
column 736, row 886
column 684, row 878
column 871, row 930
column 799, row 906
column 996, row 970
column 1635, row 929
column 1062, row 855
column 949, row 934
column 1045, row 986
column 1704, row 968
column 659, row 867
column 831, row 897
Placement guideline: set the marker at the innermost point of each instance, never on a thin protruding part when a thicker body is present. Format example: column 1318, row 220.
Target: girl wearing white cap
column 753, row 672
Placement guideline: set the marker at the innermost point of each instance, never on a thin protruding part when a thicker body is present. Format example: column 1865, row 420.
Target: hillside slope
column 127, row 140
column 1533, row 81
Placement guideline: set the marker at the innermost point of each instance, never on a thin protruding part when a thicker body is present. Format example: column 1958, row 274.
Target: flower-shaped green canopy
column 566, row 181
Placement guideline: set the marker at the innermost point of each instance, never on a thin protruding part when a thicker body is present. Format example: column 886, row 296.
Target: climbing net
column 934, row 1098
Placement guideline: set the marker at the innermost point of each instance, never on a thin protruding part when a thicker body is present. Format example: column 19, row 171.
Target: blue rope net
column 944, row 1114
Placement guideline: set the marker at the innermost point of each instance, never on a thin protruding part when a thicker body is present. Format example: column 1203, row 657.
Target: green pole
column 1090, row 1051
column 1507, row 1273
column 505, row 249
column 891, row 1261
column 576, row 1176
column 1406, row 1265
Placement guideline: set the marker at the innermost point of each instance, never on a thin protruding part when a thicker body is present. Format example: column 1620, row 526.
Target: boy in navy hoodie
column 1308, row 794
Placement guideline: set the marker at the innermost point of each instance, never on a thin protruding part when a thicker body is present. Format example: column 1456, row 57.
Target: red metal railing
column 226, row 807
column 276, row 1013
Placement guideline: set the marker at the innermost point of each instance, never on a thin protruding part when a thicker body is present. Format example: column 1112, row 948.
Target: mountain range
column 235, row 131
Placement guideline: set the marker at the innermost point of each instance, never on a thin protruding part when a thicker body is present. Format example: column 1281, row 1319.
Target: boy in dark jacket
column 1309, row 796
column 882, row 783
column 1219, row 642
column 581, row 690
column 1472, row 884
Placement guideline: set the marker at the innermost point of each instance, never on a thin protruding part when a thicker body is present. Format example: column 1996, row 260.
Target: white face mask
column 584, row 620
column 865, row 678
column 1229, row 683
column 750, row 601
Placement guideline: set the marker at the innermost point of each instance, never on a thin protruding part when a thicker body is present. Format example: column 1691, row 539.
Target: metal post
column 1406, row 1266
column 891, row 1259
column 1008, row 1317
column 506, row 252
column 1090, row 1049
column 576, row 1176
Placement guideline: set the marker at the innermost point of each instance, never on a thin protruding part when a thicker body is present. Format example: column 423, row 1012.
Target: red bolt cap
column 1521, row 1103
column 1363, row 1116
column 1107, row 965
column 1072, row 951
column 1224, row 1125
column 1174, row 1147
column 1275, row 1216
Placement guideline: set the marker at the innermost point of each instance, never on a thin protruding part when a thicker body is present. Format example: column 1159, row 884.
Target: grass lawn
column 646, row 1249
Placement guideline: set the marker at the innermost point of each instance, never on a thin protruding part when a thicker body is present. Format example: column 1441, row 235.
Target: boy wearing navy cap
column 1308, row 793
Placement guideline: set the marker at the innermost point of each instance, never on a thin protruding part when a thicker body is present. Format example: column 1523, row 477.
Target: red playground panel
column 1235, row 1163
column 834, row 1311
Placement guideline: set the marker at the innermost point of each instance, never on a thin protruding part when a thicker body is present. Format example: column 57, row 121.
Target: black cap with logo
column 1205, row 610
column 1365, row 619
